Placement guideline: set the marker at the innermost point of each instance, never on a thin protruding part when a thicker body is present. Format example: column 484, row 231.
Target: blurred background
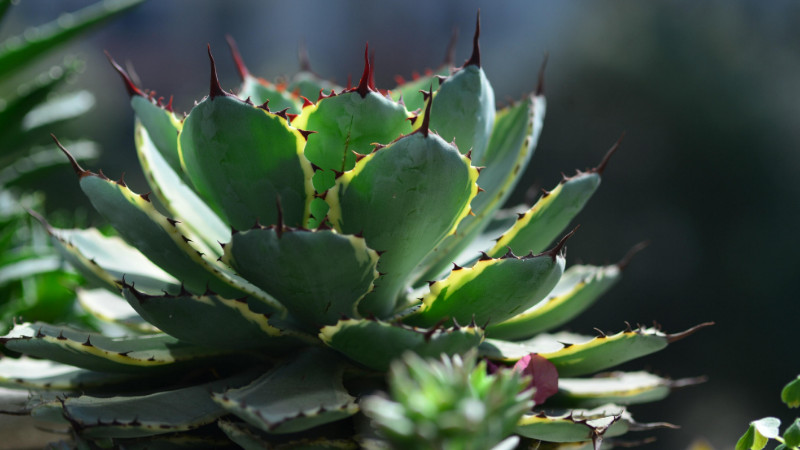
column 708, row 93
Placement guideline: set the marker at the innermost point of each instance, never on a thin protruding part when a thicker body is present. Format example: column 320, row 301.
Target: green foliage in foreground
column 35, row 283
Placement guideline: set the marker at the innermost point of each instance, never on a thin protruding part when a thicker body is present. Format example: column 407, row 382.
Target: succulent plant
column 34, row 281
column 292, row 249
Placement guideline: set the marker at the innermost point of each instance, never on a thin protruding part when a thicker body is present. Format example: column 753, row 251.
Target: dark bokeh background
column 707, row 92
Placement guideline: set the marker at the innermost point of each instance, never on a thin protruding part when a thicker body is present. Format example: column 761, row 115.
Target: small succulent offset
column 762, row 430
column 291, row 250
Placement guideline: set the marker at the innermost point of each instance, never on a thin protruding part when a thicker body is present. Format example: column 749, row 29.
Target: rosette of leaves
column 290, row 250
column 35, row 283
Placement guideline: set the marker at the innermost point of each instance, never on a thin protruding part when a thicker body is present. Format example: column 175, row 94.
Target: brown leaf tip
column 129, row 85
column 623, row 263
column 365, row 86
column 215, row 89
column 72, row 161
column 237, row 58
column 678, row 336
column 602, row 166
column 540, row 82
column 475, row 59
column 555, row 251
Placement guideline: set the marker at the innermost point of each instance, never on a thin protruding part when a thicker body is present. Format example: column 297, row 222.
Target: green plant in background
column 291, row 249
column 35, row 284
column 762, row 430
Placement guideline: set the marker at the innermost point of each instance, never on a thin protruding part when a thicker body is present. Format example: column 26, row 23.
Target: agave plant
column 34, row 281
column 291, row 249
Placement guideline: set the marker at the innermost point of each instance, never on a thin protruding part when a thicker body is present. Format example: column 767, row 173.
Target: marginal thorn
column 628, row 328
column 72, row 161
column 237, row 58
column 602, row 166
column 279, row 228
column 456, row 267
column 426, row 120
column 307, row 102
column 600, row 333
column 553, row 252
column 475, row 59
column 623, row 263
column 305, row 133
column 302, row 57
column 540, row 83
column 215, row 89
column 129, row 86
column 364, row 85
column 509, row 254
column 678, row 336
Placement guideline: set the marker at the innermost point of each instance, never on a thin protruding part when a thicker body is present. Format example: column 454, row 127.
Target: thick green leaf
column 242, row 159
column 514, row 136
column 97, row 352
column 163, row 240
column 577, row 290
column 300, row 394
column 178, row 198
column 493, row 290
column 621, row 388
column 207, row 320
column 376, row 344
column 146, row 415
column 349, row 123
column 106, row 260
column 463, row 110
column 112, row 308
column 580, row 355
column 310, row 85
column 18, row 51
column 575, row 426
column 29, row 373
column 318, row 275
column 400, row 200
column 161, row 126
column 537, row 228
column 409, row 91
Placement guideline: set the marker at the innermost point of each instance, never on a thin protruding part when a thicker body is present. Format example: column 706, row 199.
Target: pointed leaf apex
column 450, row 53
column 426, row 120
column 129, row 86
column 475, row 59
column 364, row 85
column 72, row 161
column 602, row 166
column 623, row 263
column 215, row 88
column 302, row 57
column 237, row 57
column 540, row 83
column 553, row 252
column 678, row 336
